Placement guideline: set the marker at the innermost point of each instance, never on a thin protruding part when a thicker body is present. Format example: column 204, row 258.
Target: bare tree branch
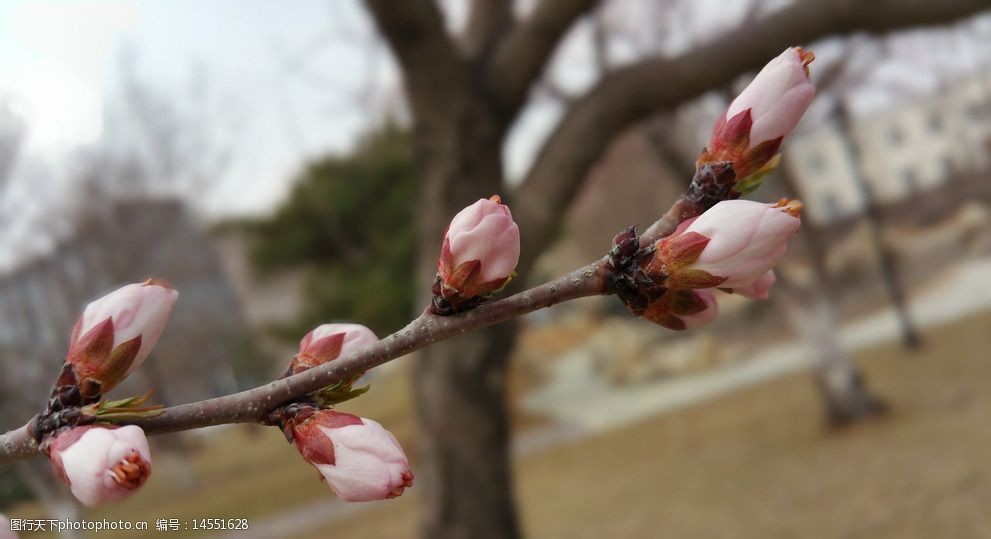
column 630, row 93
column 487, row 22
column 433, row 71
column 524, row 52
column 254, row 405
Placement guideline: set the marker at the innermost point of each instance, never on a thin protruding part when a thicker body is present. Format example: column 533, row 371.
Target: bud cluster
column 478, row 257
column 103, row 463
column 733, row 246
column 356, row 456
column 758, row 121
column 724, row 243
column 729, row 244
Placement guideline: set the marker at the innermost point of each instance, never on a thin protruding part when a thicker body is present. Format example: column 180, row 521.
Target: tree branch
column 254, row 405
column 630, row 93
column 522, row 55
column 432, row 69
column 487, row 22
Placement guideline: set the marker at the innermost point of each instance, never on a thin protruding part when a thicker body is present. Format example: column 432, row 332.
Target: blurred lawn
column 758, row 463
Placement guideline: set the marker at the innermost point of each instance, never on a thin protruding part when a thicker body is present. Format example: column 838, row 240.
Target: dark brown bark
column 466, row 472
column 523, row 55
column 465, row 475
column 488, row 20
column 460, row 384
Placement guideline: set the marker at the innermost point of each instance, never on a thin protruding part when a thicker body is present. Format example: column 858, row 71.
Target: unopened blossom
column 683, row 309
column 751, row 131
column 117, row 332
column 732, row 245
column 328, row 342
column 100, row 464
column 359, row 459
column 5, row 531
column 759, row 289
column 480, row 251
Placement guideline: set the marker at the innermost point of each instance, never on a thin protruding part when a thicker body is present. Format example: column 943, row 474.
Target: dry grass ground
column 758, row 463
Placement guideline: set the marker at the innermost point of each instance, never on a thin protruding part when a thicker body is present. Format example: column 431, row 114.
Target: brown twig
column 254, row 405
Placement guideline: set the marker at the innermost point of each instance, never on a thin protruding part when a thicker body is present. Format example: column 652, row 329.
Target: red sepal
column 735, row 132
column 756, row 157
column 464, row 276
column 94, row 347
column 115, row 368
column 318, row 352
column 675, row 252
column 686, row 302
column 335, row 420
column 693, row 278
column 659, row 312
column 668, row 309
column 315, row 446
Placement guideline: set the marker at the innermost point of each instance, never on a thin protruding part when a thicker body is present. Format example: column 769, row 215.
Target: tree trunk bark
column 464, row 476
column 846, row 397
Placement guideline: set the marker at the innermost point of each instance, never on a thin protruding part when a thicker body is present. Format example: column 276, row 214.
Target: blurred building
column 897, row 152
column 205, row 351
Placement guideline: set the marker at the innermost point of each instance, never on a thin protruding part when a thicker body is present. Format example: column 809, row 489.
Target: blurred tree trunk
column 812, row 314
column 463, row 95
column 466, row 471
column 887, row 260
column 846, row 397
column 461, row 384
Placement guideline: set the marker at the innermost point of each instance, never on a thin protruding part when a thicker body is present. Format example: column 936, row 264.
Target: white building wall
column 823, row 171
column 913, row 147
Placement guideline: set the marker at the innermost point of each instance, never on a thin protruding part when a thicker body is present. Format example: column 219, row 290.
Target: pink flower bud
column 5, row 531
column 101, row 464
column 733, row 244
column 330, row 341
column 360, row 460
column 760, row 289
column 480, row 251
column 764, row 114
column 116, row 333
column 683, row 309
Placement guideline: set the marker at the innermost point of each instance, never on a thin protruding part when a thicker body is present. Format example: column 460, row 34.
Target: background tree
column 465, row 92
column 122, row 195
column 347, row 221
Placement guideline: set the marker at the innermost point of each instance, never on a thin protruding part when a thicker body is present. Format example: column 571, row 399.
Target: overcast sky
column 302, row 77
column 292, row 75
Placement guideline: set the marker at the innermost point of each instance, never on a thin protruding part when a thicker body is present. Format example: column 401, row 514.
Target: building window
column 946, row 168
column 910, row 180
column 815, row 163
column 854, row 148
column 895, row 135
column 833, row 209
